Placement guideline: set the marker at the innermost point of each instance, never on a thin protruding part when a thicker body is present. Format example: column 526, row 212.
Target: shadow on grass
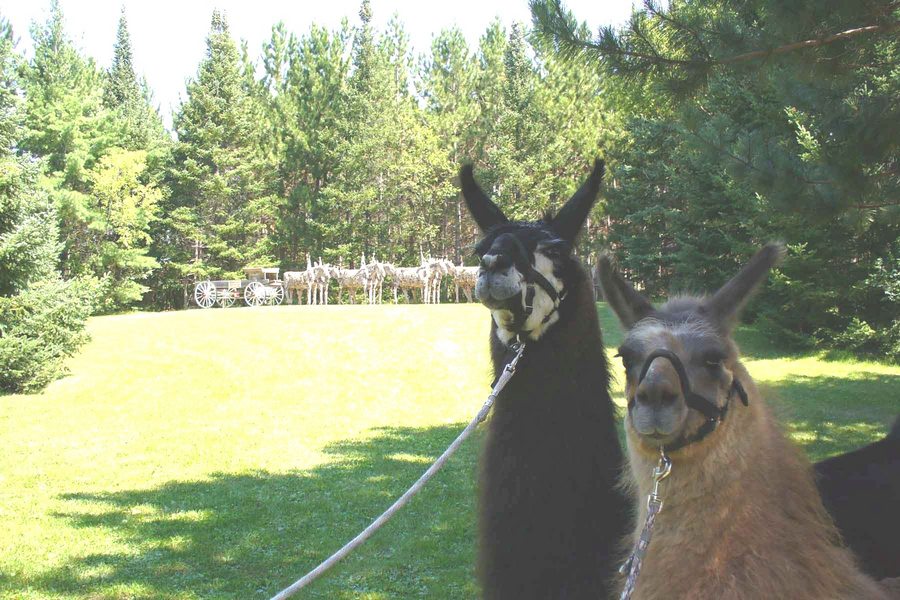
column 249, row 535
column 831, row 415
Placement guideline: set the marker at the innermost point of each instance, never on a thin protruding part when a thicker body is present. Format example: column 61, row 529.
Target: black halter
column 525, row 264
column 714, row 414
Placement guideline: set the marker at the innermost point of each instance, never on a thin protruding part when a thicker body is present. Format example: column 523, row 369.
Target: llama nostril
column 656, row 396
column 495, row 262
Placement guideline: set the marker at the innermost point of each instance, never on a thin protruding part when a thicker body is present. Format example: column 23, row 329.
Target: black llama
column 861, row 489
column 551, row 517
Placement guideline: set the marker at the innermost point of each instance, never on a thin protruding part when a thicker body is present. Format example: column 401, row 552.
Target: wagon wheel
column 276, row 295
column 205, row 294
column 225, row 298
column 255, row 294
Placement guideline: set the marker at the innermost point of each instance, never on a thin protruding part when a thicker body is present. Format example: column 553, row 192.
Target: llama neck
column 742, row 501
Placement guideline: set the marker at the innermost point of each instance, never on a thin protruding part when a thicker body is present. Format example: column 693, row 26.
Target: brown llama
column 550, row 513
column 741, row 516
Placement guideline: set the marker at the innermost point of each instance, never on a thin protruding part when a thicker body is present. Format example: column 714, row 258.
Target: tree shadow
column 757, row 344
column 832, row 415
column 249, row 535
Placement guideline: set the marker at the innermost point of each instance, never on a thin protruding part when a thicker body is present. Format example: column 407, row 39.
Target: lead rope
column 366, row 533
column 632, row 566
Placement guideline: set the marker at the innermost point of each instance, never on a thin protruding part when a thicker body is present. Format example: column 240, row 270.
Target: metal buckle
column 663, row 469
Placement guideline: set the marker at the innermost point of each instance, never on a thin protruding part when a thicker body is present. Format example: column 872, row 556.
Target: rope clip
column 662, row 470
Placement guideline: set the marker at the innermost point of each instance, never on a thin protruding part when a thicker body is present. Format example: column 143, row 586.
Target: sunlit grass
column 222, row 453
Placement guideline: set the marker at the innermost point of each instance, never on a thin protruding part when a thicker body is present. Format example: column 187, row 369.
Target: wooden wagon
column 261, row 286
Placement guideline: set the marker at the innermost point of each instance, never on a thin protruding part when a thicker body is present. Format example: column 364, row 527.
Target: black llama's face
column 522, row 264
column 697, row 331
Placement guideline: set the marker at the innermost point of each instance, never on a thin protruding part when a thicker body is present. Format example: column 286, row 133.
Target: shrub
column 39, row 328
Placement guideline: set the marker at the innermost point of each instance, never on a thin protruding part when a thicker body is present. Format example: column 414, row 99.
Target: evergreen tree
column 65, row 121
column 217, row 171
column 121, row 83
column 80, row 140
column 41, row 317
column 29, row 238
column 139, row 123
column 387, row 156
column 308, row 82
column 760, row 120
column 449, row 87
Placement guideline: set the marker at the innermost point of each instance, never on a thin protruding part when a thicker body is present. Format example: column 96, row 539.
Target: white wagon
column 261, row 286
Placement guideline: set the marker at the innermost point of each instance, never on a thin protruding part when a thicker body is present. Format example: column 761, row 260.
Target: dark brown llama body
column 861, row 490
column 551, row 515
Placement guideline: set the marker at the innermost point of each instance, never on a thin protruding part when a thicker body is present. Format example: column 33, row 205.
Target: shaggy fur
column 860, row 489
column 742, row 518
column 551, row 514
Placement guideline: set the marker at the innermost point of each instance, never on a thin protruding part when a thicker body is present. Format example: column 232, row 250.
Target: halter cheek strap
column 713, row 413
column 534, row 277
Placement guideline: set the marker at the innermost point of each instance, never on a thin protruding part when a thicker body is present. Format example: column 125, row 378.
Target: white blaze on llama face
column 520, row 260
column 508, row 292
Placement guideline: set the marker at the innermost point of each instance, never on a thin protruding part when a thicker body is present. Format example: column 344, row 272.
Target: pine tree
column 121, row 83
column 449, row 79
column 758, row 121
column 308, row 82
column 217, row 168
column 139, row 124
column 29, row 237
column 41, row 317
column 64, row 116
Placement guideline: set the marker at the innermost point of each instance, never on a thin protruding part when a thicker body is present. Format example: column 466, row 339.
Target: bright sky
column 169, row 37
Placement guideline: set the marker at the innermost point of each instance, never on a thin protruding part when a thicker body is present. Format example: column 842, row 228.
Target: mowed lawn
column 223, row 453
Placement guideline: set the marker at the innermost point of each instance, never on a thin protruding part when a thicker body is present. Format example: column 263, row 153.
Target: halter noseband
column 714, row 414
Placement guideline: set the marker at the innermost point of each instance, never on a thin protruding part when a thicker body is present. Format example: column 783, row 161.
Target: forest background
column 724, row 125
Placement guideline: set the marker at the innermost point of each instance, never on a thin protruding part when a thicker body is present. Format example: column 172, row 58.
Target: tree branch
column 814, row 43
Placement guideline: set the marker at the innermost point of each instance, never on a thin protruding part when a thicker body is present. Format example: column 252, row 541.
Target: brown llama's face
column 658, row 413
column 692, row 333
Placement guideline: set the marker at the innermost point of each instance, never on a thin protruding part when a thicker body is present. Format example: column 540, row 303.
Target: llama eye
column 713, row 361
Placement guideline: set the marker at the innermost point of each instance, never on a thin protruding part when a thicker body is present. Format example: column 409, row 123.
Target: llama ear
column 726, row 304
column 628, row 304
column 486, row 213
column 573, row 215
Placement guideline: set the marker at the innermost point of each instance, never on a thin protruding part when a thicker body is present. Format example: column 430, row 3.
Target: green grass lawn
column 223, row 453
